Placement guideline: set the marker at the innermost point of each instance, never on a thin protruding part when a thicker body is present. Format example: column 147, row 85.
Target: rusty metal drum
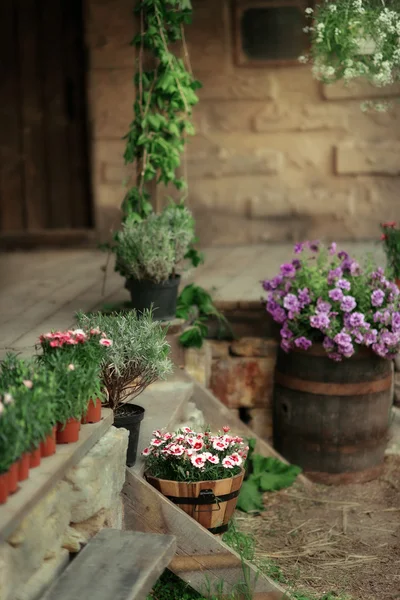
column 332, row 418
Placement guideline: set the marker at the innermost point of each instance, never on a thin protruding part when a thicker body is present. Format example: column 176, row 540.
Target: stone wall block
column 246, row 382
column 253, row 346
column 98, row 479
column 262, row 422
column 357, row 158
column 237, row 85
column 227, row 163
column 198, row 363
column 110, row 27
column 310, row 117
column 219, row 349
column 359, row 89
column 111, row 96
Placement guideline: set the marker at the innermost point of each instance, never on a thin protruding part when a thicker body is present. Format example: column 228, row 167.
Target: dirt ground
column 335, row 539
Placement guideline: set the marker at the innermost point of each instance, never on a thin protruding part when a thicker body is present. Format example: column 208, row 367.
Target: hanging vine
column 165, row 94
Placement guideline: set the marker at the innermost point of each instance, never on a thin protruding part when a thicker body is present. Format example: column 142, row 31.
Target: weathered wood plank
column 49, row 473
column 149, row 511
column 115, row 565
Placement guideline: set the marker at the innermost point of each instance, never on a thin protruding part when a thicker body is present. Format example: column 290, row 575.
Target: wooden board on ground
column 204, row 560
column 49, row 473
column 115, row 565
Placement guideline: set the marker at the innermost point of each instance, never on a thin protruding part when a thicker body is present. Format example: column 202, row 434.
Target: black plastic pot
column 162, row 296
column 129, row 416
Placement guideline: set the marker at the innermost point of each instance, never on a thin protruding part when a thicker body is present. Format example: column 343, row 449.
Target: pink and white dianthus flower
column 220, row 444
column 176, row 450
column 105, row 342
column 228, row 463
column 156, row 442
column 146, row 452
column 236, row 458
column 198, row 460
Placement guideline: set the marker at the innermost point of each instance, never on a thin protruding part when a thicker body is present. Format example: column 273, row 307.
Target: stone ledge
column 45, row 477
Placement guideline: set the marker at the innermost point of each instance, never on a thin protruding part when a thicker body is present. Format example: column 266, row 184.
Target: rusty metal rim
column 334, row 389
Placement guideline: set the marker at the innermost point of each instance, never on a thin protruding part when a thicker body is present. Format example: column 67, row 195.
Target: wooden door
column 44, row 165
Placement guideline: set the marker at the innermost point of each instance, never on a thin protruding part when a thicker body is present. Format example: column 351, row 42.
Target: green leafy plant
column 154, row 248
column 137, row 357
column 391, row 245
column 263, row 474
column 196, row 306
column 355, row 38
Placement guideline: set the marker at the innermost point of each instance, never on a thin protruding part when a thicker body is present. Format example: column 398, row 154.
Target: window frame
column 240, row 6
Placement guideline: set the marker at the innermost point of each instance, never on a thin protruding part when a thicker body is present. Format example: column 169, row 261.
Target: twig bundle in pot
column 200, row 472
column 149, row 253
column 137, row 357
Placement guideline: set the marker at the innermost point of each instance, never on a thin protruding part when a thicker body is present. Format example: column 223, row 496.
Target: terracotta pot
column 48, row 446
column 210, row 503
column 68, row 433
column 23, row 467
column 35, row 458
column 4, row 487
column 13, row 478
column 93, row 413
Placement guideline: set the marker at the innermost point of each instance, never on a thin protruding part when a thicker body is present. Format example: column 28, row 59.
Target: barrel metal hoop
column 205, row 497
column 333, row 389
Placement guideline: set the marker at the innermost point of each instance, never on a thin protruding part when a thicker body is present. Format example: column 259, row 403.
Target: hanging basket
column 210, row 503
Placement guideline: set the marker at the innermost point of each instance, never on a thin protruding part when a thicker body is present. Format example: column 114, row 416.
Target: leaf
column 273, row 474
column 192, row 337
column 250, row 497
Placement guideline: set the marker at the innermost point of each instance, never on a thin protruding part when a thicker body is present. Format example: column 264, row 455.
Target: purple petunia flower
column 332, row 248
column 377, row 297
column 322, row 306
column 291, row 303
column 304, row 297
column 272, row 305
column 396, row 321
column 328, row 343
column 298, row 248
column 347, row 350
column 342, row 339
column 355, row 268
column 272, row 284
column 314, row 246
column 320, row 321
column 334, row 274
column 335, row 356
column 285, row 332
column 296, row 263
column 370, row 337
column 343, row 284
column 286, row 345
column 343, row 255
column 358, row 336
column 380, row 350
column 356, row 319
column 388, row 338
column 336, row 294
column 348, row 304
column 279, row 315
column 288, row 270
column 303, row 343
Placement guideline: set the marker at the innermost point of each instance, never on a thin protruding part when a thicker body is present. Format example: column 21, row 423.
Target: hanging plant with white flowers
column 355, row 38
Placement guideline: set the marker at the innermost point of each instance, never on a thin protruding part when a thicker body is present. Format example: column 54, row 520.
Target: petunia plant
column 185, row 455
column 324, row 296
column 391, row 244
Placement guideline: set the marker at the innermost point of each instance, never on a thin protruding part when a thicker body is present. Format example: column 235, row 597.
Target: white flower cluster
column 355, row 38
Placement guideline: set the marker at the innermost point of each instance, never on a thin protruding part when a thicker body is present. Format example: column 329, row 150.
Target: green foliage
column 137, row 357
column 391, row 244
column 165, row 95
column 154, row 247
column 196, row 306
column 355, row 38
column 264, row 474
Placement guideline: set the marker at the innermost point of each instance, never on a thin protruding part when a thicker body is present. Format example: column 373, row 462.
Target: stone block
column 198, row 363
column 359, row 89
column 263, row 161
column 357, row 158
column 219, row 349
column 207, row 37
column 225, row 116
column 97, row 480
column 253, row 346
column 237, row 85
column 109, row 29
column 111, row 96
column 243, row 382
column 37, row 585
column 261, row 422
column 117, row 172
column 310, row 117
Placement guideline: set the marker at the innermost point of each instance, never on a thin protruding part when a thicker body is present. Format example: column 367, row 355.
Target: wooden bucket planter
column 210, row 503
column 332, row 418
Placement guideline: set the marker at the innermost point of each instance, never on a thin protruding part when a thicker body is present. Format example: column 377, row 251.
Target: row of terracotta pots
column 67, row 433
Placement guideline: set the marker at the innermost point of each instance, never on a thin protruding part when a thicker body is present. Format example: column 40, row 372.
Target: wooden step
column 165, row 403
column 115, row 565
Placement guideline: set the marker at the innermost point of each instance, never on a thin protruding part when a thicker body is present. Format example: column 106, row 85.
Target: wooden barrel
column 210, row 503
column 332, row 418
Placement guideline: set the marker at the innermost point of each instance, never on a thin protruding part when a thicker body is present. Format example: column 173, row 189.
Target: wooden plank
column 115, row 565
column 149, row 511
column 34, row 168
column 11, row 183
column 217, row 414
column 77, row 134
column 55, row 122
column 49, row 473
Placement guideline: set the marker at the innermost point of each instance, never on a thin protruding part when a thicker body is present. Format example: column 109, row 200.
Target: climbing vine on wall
column 165, row 95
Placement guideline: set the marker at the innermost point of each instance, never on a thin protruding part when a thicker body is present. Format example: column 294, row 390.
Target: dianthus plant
column 185, row 455
column 324, row 296
column 355, row 38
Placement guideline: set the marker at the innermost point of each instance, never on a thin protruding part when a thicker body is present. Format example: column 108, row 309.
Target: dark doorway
column 44, row 162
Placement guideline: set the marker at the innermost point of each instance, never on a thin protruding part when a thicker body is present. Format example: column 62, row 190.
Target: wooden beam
column 203, row 560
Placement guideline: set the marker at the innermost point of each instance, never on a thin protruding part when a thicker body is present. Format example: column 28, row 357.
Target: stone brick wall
column 85, row 501
column 277, row 156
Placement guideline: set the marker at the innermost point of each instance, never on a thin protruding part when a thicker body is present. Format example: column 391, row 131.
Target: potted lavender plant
column 339, row 329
